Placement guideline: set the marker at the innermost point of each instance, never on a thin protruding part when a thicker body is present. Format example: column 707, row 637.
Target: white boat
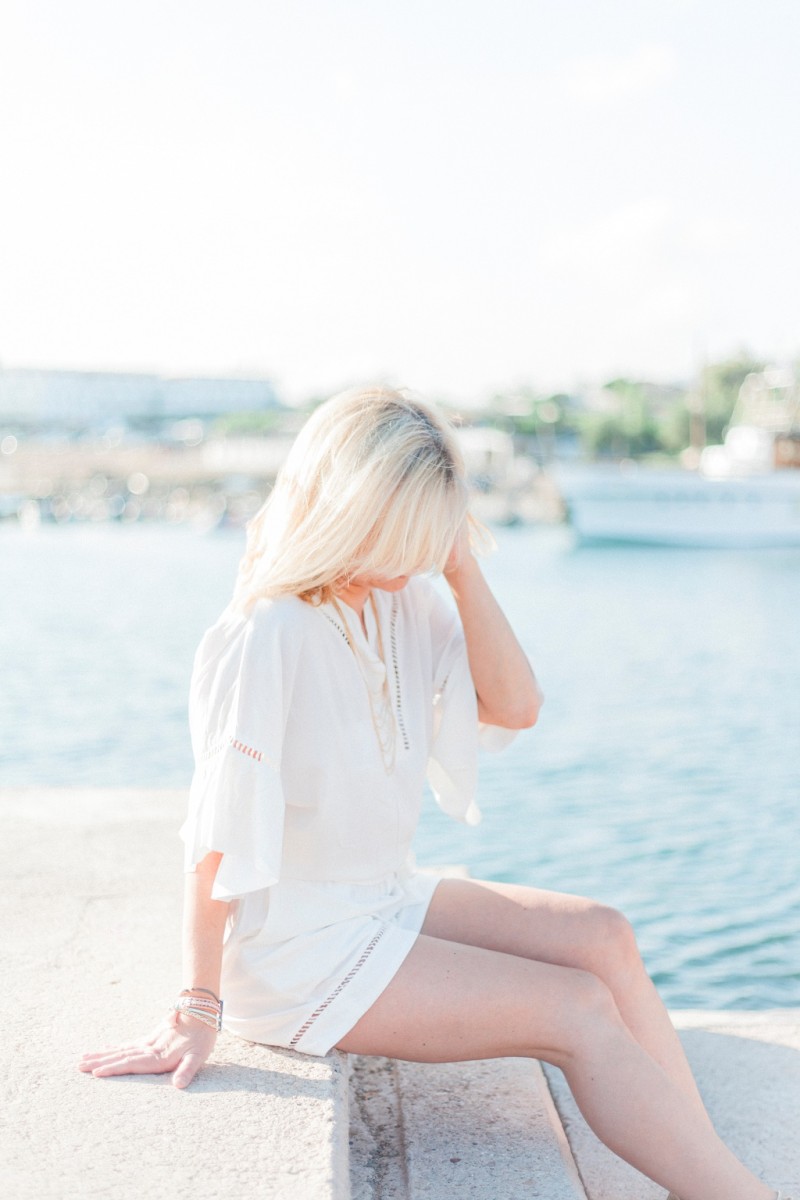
column 745, row 493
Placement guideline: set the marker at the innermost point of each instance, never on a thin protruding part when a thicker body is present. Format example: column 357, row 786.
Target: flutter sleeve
column 238, row 696
column 457, row 732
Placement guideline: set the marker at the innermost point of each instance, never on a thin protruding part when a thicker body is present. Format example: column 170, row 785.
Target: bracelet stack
column 206, row 1008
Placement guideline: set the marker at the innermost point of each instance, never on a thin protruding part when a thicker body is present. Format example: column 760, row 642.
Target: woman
column 335, row 679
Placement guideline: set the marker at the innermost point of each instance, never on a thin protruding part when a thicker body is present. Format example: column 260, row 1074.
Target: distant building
column 84, row 398
column 72, row 398
column 207, row 397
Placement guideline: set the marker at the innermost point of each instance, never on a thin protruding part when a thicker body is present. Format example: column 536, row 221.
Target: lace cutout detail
column 397, row 692
column 218, row 747
column 248, row 750
column 334, row 623
column 304, row 1028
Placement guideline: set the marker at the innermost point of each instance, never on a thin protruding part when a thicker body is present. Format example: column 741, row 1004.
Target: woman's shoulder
column 276, row 624
column 284, row 613
column 263, row 617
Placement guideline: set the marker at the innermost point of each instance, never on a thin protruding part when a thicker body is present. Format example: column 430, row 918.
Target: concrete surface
column 747, row 1065
column 90, row 927
column 90, row 942
column 471, row 1131
column 481, row 1130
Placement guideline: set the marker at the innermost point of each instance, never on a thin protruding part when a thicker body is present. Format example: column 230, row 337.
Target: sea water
column 663, row 776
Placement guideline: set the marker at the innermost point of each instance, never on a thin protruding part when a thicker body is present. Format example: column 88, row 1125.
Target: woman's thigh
column 550, row 927
column 449, row 1002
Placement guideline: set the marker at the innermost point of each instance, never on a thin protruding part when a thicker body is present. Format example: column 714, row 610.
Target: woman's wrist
column 200, row 1003
column 465, row 568
column 191, row 991
column 187, row 1024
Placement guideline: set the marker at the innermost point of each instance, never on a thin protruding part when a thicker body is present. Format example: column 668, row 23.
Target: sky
column 458, row 196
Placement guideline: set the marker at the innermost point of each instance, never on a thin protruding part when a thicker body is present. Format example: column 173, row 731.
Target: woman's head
column 373, row 486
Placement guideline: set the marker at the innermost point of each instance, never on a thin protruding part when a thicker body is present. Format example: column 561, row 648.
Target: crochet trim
column 397, row 692
column 304, row 1028
column 242, row 747
column 248, row 750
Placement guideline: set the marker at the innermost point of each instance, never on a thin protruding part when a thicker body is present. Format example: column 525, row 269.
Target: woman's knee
column 587, row 1013
column 616, row 951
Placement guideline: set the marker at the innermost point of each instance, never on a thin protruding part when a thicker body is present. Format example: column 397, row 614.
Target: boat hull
column 681, row 508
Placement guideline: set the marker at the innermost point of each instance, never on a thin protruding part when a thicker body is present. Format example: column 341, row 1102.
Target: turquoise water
column 663, row 776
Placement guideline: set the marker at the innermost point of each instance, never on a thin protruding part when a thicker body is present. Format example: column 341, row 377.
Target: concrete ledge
column 90, row 921
column 471, row 1131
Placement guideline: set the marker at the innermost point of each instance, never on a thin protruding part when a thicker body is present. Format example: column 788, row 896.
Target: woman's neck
column 355, row 596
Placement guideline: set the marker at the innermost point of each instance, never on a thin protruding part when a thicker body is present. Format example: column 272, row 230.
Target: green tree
column 719, row 389
column 628, row 432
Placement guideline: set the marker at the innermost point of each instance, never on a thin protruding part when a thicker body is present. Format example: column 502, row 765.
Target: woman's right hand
column 180, row 1043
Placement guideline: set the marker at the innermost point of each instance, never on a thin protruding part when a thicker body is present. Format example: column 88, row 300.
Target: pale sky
column 454, row 195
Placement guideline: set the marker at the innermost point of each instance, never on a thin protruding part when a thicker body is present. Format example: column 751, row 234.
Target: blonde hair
column 373, row 485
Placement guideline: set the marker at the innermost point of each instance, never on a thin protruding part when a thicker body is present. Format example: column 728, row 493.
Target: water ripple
column 663, row 776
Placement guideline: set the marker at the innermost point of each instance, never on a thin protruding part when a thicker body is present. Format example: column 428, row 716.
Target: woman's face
column 385, row 585
column 356, row 592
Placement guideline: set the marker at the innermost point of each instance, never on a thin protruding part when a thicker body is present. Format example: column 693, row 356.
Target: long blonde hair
column 373, row 485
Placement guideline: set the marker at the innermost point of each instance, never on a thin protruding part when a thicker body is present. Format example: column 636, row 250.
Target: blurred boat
column 744, row 493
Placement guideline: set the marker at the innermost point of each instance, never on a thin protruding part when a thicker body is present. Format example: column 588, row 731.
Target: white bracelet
column 209, row 1012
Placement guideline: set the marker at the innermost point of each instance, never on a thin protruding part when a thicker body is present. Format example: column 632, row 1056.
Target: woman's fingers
column 141, row 1062
column 134, row 1060
column 189, row 1066
column 164, row 1050
column 97, row 1058
column 108, row 1051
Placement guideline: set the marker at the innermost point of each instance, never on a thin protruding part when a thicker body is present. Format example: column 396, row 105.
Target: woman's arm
column 203, row 926
column 179, row 1043
column 507, row 690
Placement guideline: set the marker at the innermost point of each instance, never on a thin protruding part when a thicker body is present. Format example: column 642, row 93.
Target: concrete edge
column 559, row 1132
column 340, row 1125
column 745, row 1018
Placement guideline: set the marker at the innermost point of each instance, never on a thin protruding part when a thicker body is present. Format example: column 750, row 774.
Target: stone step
column 475, row 1131
column 457, row 1131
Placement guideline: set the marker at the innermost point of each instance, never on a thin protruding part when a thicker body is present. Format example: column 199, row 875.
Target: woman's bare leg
column 451, row 1002
column 568, row 931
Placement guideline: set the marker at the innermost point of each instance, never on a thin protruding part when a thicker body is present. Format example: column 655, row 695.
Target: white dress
column 291, row 786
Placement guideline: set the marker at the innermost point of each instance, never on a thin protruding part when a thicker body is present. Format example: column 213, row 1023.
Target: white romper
column 290, row 785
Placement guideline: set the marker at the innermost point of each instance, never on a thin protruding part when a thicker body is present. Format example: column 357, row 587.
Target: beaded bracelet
column 192, row 990
column 209, row 1012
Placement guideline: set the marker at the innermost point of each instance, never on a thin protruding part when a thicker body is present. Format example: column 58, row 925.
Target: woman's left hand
column 507, row 691
column 179, row 1044
column 460, row 552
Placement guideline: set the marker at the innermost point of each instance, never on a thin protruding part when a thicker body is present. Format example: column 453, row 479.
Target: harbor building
column 36, row 399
